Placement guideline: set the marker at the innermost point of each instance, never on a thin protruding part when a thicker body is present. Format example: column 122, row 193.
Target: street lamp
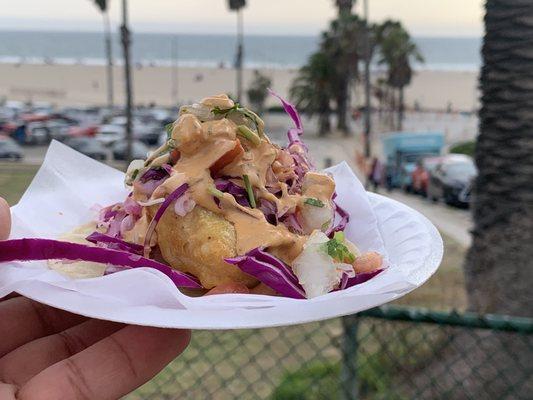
column 126, row 41
column 238, row 5
column 368, row 56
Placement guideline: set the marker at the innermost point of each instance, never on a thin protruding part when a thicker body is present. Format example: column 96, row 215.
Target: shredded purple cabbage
column 341, row 225
column 358, row 278
column 270, row 271
column 154, row 174
column 291, row 222
column 297, row 149
column 46, row 249
column 260, row 254
column 269, row 209
column 238, row 192
column 114, row 243
column 269, row 275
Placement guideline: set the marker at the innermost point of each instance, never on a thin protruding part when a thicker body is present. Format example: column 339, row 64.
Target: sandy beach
column 65, row 85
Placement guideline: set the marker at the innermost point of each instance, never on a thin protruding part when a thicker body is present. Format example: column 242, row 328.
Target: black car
column 10, row 150
column 451, row 180
column 88, row 146
column 139, row 150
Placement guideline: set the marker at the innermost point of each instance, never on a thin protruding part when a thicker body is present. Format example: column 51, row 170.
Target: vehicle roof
column 456, row 158
column 411, row 141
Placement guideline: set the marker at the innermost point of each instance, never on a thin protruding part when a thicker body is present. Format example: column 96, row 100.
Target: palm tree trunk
column 324, row 125
column 109, row 56
column 392, row 109
column 499, row 269
column 400, row 108
column 499, row 265
column 342, row 100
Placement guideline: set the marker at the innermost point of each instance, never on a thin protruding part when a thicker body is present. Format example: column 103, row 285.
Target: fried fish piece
column 198, row 243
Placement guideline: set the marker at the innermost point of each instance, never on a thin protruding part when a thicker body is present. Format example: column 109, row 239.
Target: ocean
column 440, row 53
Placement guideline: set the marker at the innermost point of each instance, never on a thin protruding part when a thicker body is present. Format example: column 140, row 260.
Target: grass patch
column 302, row 361
column 14, row 179
column 446, row 289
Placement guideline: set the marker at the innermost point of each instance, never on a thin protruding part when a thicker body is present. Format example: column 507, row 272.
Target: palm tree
column 312, row 90
column 499, row 268
column 103, row 6
column 397, row 51
column 344, row 6
column 341, row 44
column 258, row 91
column 238, row 5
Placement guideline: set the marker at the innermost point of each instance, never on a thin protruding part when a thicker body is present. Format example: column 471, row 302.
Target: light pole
column 367, row 83
column 109, row 54
column 238, row 5
column 174, row 70
column 238, row 61
column 125, row 35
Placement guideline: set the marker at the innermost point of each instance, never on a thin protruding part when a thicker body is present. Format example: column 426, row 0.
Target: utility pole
column 239, row 56
column 125, row 34
column 368, row 112
column 174, row 70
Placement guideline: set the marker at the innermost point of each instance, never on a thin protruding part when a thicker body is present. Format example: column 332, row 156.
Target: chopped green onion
column 325, row 225
column 249, row 190
column 339, row 235
column 215, row 192
column 247, row 133
column 219, row 111
column 169, row 128
column 134, row 174
column 314, row 202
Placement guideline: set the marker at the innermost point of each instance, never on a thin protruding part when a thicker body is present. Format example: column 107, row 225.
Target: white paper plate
column 63, row 191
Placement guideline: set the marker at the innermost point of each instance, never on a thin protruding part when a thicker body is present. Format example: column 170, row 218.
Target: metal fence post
column 349, row 345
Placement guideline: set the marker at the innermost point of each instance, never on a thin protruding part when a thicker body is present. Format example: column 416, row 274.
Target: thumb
column 5, row 219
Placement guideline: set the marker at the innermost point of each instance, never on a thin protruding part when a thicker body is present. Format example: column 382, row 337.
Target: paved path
column 453, row 222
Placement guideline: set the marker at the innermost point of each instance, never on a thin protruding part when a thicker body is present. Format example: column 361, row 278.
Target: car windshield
column 461, row 169
column 413, row 158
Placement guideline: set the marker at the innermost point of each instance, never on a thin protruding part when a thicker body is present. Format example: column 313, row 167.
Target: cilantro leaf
column 314, row 202
column 337, row 250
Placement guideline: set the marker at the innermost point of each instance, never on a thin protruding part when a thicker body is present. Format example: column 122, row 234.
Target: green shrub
column 467, row 148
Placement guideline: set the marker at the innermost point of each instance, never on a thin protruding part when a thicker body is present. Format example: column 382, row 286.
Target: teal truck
column 402, row 150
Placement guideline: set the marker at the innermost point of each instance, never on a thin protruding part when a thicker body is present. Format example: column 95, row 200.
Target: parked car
column 10, row 150
column 88, row 146
column 451, row 180
column 37, row 133
column 139, row 150
column 109, row 134
column 420, row 175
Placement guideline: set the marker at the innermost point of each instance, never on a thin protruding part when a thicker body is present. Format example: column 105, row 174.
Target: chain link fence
column 385, row 353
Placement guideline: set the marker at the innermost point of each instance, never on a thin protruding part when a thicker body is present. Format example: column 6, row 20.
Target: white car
column 109, row 134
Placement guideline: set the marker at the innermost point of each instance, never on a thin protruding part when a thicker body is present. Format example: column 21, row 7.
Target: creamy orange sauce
column 201, row 145
column 318, row 186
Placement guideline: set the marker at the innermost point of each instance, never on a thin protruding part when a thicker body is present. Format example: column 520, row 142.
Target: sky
column 279, row 17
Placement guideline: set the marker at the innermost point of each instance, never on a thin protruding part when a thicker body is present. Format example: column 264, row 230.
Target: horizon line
column 143, row 31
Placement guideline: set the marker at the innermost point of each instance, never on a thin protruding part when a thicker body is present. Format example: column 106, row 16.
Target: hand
column 47, row 353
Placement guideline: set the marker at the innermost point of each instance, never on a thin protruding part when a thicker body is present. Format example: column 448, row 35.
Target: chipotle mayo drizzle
column 201, row 144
